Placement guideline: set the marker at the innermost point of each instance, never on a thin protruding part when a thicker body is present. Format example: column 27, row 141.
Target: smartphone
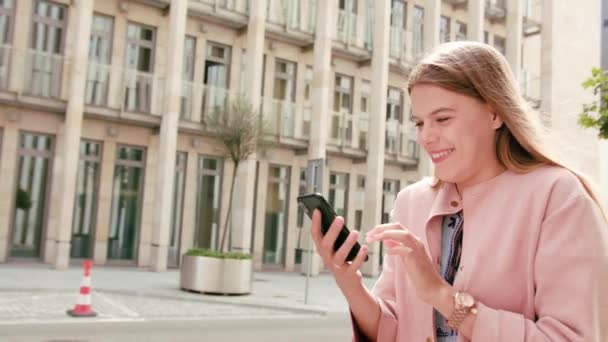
column 313, row 201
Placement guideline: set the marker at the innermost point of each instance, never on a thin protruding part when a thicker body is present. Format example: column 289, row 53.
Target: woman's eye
column 417, row 124
column 443, row 119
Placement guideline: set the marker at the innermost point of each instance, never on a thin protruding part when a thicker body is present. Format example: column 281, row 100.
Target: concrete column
column 189, row 214
column 161, row 227
column 104, row 209
column 21, row 28
column 514, row 41
column 68, row 155
column 476, row 20
column 8, row 170
column 432, row 13
column 242, row 211
column 375, row 155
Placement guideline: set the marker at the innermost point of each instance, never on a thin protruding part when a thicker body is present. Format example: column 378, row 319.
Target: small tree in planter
column 239, row 129
column 595, row 114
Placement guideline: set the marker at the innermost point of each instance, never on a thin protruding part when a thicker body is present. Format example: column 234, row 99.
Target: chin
column 447, row 177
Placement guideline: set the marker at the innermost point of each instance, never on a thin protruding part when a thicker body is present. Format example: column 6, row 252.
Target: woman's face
column 457, row 132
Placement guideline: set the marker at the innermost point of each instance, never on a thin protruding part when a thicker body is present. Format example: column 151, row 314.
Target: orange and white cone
column 83, row 305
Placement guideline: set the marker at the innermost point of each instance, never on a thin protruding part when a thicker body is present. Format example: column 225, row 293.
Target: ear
column 496, row 120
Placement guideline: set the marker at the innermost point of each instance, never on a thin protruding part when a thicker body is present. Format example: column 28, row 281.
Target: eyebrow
column 436, row 111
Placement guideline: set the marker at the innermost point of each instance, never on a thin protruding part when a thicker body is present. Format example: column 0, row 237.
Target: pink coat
column 535, row 257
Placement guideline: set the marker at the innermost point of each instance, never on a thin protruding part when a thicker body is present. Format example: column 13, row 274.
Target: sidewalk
column 36, row 292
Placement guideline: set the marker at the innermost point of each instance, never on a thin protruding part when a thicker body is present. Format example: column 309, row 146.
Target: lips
column 439, row 156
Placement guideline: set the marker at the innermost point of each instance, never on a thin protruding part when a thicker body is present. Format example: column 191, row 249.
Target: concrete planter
column 215, row 275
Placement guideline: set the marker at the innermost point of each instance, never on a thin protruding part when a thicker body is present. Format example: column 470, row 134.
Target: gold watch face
column 465, row 300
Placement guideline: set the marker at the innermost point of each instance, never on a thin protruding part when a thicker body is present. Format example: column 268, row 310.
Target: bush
column 217, row 254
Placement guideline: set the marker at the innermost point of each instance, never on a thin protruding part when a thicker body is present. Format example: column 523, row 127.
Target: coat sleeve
column 384, row 292
column 571, row 282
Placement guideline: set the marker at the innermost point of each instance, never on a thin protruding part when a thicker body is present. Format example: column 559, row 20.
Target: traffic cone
column 83, row 306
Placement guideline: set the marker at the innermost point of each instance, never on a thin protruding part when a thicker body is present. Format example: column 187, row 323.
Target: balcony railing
column 297, row 15
column 286, row 119
column 6, row 52
column 354, row 30
column 143, row 92
column 199, row 101
column 496, row 10
column 400, row 141
column 123, row 89
column 401, row 44
column 43, row 74
column 349, row 130
column 237, row 6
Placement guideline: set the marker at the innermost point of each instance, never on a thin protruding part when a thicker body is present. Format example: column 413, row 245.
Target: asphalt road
column 290, row 328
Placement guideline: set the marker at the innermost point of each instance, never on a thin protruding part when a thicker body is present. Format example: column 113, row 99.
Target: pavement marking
column 121, row 307
column 79, row 320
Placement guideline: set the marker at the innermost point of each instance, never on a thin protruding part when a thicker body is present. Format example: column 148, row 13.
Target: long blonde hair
column 480, row 71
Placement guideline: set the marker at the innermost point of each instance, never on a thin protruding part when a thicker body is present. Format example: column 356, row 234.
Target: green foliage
column 595, row 114
column 23, row 200
column 204, row 252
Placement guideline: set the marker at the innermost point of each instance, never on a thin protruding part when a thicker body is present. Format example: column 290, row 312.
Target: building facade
column 105, row 152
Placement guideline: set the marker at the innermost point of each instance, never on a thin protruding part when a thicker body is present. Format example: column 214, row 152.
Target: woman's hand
column 430, row 286
column 347, row 274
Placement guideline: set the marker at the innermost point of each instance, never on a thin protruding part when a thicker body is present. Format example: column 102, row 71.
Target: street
column 291, row 328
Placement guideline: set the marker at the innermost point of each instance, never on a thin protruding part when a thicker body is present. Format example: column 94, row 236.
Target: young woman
column 504, row 244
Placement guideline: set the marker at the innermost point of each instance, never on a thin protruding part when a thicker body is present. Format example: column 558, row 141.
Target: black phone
column 313, row 201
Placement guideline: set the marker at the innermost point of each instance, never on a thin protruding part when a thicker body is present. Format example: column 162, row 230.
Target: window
column 284, row 80
column 179, row 184
column 500, row 43
column 7, row 8
column 308, row 83
column 444, row 29
column 394, row 118
column 364, row 115
column 208, row 199
column 85, row 204
column 127, row 199
column 187, row 77
column 302, row 189
column 399, row 14
column 216, row 77
column 139, row 67
column 46, row 47
column 100, row 56
column 418, row 29
column 307, row 110
column 343, row 93
column 461, row 30
column 275, row 224
column 338, row 192
column 486, row 37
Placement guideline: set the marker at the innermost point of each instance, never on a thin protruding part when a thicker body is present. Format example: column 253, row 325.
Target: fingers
column 342, row 252
column 399, row 235
column 332, row 233
column 359, row 259
column 383, row 227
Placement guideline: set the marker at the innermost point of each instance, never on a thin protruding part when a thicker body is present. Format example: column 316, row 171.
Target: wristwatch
column 464, row 304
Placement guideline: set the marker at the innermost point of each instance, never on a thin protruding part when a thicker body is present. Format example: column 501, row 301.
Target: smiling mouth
column 440, row 156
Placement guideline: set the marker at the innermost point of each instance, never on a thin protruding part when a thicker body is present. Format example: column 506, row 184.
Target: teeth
column 440, row 154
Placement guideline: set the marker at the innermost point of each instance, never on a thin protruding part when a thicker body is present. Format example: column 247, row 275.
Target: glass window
column 486, row 37
column 217, row 65
column 461, row 30
column 343, row 93
column 394, row 107
column 284, row 80
column 139, row 67
column 500, row 43
column 29, row 219
column 177, row 209
column 308, row 83
column 399, row 14
column 302, row 189
column 85, row 204
column 444, row 29
column 418, row 30
column 44, row 71
column 100, row 56
column 127, row 199
column 208, row 199
column 275, row 224
column 6, row 23
column 338, row 192
column 189, row 54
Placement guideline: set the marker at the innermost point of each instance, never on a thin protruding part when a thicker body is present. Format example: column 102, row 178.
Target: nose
column 427, row 135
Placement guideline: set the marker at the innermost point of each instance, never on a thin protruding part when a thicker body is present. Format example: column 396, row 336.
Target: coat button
column 454, row 204
column 428, row 339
